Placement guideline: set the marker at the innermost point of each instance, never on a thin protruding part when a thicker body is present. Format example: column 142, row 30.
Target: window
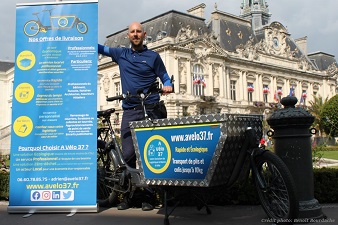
column 198, row 81
column 202, row 111
column 161, row 34
column 185, row 111
column 233, row 90
column 117, row 86
column 117, row 119
column 265, row 93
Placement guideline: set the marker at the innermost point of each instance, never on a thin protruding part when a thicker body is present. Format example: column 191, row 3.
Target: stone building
column 230, row 64
column 6, row 87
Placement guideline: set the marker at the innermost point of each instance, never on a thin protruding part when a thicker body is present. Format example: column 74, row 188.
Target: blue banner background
column 53, row 150
column 177, row 152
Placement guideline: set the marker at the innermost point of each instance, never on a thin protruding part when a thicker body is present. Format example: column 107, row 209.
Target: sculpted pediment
column 273, row 43
column 201, row 47
column 332, row 70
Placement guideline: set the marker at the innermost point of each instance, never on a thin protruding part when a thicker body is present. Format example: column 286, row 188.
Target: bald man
column 139, row 69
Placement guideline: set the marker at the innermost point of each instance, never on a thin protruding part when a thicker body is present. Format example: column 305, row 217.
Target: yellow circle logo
column 23, row 126
column 24, row 92
column 157, row 154
column 25, row 60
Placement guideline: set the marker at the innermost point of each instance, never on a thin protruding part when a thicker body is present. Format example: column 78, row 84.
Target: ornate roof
column 233, row 34
column 5, row 66
column 170, row 24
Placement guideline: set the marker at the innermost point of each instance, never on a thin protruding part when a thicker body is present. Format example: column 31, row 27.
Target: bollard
column 292, row 143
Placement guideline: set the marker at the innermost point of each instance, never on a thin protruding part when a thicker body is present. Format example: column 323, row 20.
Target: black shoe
column 147, row 207
column 123, row 206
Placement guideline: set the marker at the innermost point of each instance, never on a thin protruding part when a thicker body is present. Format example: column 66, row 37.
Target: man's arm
column 104, row 50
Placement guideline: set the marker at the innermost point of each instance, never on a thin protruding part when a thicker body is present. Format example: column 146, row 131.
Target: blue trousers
column 126, row 138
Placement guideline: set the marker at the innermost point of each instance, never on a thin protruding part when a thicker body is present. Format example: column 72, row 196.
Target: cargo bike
column 193, row 154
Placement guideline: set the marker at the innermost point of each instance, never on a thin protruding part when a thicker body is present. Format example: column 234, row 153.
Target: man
column 139, row 68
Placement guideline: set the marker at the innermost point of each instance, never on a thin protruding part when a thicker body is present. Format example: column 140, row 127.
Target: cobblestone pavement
column 231, row 214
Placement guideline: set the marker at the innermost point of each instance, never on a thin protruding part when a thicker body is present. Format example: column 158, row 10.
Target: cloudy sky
column 318, row 20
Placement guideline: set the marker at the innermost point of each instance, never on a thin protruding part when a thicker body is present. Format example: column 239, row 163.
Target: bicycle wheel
column 31, row 28
column 279, row 198
column 106, row 196
column 82, row 27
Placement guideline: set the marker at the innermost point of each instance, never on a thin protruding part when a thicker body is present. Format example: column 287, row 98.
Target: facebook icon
column 35, row 196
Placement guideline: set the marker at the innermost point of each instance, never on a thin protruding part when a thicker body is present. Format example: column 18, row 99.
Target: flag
column 276, row 97
column 196, row 80
column 301, row 100
column 266, row 90
column 292, row 91
column 203, row 81
column 250, row 88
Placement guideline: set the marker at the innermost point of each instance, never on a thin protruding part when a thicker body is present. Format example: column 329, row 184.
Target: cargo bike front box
column 193, row 151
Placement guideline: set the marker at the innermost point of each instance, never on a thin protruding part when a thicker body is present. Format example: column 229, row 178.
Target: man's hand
column 167, row 90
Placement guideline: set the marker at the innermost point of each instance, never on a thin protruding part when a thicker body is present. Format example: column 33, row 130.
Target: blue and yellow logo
column 157, row 154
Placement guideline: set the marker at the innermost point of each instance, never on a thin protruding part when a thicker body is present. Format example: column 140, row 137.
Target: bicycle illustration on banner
column 60, row 22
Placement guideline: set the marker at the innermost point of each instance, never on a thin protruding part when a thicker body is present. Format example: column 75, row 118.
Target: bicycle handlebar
column 140, row 92
column 118, row 97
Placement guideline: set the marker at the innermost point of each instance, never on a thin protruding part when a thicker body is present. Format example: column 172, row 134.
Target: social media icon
column 56, row 195
column 35, row 196
column 67, row 195
column 46, row 195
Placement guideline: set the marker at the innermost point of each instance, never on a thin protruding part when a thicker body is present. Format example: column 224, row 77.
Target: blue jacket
column 138, row 70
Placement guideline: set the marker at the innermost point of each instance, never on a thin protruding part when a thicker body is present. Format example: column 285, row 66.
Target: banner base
column 53, row 209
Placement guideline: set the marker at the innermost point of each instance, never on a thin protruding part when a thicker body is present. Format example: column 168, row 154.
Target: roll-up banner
column 53, row 145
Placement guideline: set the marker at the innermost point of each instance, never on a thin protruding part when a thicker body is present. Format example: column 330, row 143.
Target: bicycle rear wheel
column 279, row 198
column 31, row 28
column 106, row 196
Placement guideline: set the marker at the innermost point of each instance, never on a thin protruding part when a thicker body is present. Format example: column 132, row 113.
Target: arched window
column 198, row 83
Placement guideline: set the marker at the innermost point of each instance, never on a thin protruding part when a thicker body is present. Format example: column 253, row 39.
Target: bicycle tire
column 82, row 27
column 106, row 196
column 31, row 28
column 279, row 200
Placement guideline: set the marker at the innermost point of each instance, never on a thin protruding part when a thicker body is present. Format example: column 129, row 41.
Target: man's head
column 136, row 35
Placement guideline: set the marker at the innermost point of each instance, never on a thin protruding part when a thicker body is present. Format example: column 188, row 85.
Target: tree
column 316, row 108
column 329, row 116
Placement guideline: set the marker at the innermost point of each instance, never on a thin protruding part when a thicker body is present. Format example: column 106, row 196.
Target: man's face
column 136, row 35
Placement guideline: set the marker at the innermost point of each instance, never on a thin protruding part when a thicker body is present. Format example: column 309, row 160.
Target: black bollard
column 292, row 143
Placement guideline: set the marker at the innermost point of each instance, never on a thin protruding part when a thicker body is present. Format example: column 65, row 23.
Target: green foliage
column 329, row 116
column 4, row 185
column 317, row 154
column 326, row 181
column 316, row 108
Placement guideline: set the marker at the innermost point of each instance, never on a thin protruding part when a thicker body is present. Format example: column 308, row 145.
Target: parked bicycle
column 114, row 175
column 60, row 22
column 273, row 181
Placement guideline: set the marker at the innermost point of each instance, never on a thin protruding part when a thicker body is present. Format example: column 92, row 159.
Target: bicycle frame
column 33, row 27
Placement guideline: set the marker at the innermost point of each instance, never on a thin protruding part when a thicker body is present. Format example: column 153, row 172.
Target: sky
column 317, row 20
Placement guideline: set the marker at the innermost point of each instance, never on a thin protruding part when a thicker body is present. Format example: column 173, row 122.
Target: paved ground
column 234, row 215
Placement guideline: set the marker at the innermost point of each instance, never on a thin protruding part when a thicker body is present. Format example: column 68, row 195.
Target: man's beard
column 138, row 43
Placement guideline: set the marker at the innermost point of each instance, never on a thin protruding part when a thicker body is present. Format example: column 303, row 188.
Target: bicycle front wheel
column 106, row 196
column 279, row 197
column 82, row 27
column 31, row 28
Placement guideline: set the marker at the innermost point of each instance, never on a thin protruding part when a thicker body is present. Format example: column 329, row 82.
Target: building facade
column 6, row 96
column 230, row 64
